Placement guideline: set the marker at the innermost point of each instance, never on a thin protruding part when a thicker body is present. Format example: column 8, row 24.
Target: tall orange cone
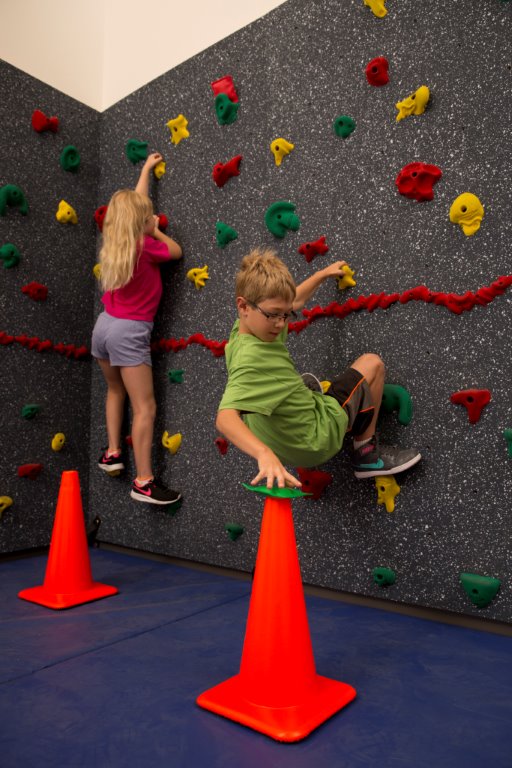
column 68, row 580
column 277, row 690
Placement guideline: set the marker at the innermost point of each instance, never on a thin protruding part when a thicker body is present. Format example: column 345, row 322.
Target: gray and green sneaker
column 374, row 459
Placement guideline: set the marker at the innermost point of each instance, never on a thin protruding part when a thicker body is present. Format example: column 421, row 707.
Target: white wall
column 99, row 51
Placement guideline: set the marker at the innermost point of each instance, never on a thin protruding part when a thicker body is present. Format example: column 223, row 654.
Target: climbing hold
column 314, row 481
column 467, row 211
column 387, row 489
column 5, row 503
column 414, row 104
column 343, row 126
column 377, row 71
column 481, row 590
column 171, row 442
column 58, row 441
column 178, row 128
column 96, row 270
column 347, row 281
column 70, row 158
column 42, row 123
column 35, row 291
column 507, row 434
column 99, row 216
column 384, row 577
column 316, row 248
column 222, row 172
column 136, row 150
column 163, row 222
column 378, row 7
column 416, row 181
column 472, row 399
column 66, row 214
column 222, row 445
column 30, row 470
column 225, row 234
column 12, row 196
column 175, row 375
column 280, row 148
column 325, row 385
column 30, row 410
column 278, row 493
column 198, row 276
column 225, row 109
column 159, row 169
column 9, row 255
column 225, row 85
column 397, row 398
column 280, row 217
column 234, row 530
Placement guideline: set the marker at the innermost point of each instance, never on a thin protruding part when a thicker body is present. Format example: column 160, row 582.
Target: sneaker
column 154, row 493
column 311, row 382
column 111, row 464
column 374, row 460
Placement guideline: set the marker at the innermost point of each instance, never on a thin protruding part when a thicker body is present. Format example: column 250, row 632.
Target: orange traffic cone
column 68, row 579
column 277, row 690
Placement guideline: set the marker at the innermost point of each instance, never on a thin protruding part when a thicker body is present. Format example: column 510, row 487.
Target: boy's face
column 264, row 320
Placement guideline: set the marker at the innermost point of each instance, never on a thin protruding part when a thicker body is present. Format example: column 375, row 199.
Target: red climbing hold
column 36, row 291
column 163, row 222
column 222, row 444
column 99, row 216
column 377, row 71
column 474, row 400
column 314, row 481
column 416, row 181
column 223, row 172
column 5, row 338
column 30, row 470
column 310, row 250
column 225, row 85
column 42, row 123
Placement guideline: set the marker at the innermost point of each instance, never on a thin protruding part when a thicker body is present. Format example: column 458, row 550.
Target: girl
column 132, row 251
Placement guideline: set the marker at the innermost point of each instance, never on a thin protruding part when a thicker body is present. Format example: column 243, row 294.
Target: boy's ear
column 241, row 303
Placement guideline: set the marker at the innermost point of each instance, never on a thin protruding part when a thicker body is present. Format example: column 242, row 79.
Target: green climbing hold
column 280, row 217
column 225, row 109
column 225, row 233
column 384, row 577
column 175, row 375
column 30, row 410
column 234, row 530
column 12, row 196
column 171, row 509
column 70, row 158
column 136, row 150
column 397, row 398
column 343, row 126
column 507, row 434
column 278, row 493
column 9, row 255
column 481, row 590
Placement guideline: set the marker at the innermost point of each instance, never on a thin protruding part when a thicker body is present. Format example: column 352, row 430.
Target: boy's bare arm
column 230, row 424
column 306, row 289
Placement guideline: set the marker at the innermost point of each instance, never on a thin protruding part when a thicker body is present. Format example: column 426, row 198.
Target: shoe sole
column 393, row 471
column 109, row 468
column 149, row 500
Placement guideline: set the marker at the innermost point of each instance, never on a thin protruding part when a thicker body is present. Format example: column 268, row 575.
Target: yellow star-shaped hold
column 178, row 129
column 347, row 281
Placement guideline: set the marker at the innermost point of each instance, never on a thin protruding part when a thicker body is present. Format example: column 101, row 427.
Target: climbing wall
column 49, row 154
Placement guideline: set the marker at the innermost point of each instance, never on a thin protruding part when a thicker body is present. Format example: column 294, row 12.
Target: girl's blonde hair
column 262, row 275
column 123, row 232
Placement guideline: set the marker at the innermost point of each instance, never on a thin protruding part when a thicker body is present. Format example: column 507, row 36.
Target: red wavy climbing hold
column 99, row 216
column 472, row 399
column 42, row 123
column 317, row 248
column 163, row 222
column 30, row 470
column 314, row 481
column 5, row 338
column 223, row 172
column 377, row 71
column 225, row 85
column 36, row 291
column 416, row 181
column 222, row 444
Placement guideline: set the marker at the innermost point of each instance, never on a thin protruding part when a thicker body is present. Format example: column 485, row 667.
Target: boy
column 269, row 412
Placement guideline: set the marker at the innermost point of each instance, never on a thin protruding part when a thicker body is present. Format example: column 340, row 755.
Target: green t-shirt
column 302, row 427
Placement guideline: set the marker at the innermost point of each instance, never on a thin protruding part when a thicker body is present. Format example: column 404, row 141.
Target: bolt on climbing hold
column 314, row 481
column 5, row 503
column 474, row 400
column 280, row 148
column 343, row 126
column 481, row 590
column 387, row 490
column 159, row 169
column 281, row 217
column 222, row 172
column 467, row 211
column 178, row 128
column 377, row 71
column 30, row 470
column 66, row 214
column 9, row 256
column 416, row 181
column 225, row 85
column 397, row 398
column 58, row 441
column 163, row 222
column 99, row 216
column 175, row 375
column 347, row 281
column 12, row 196
column 383, row 576
column 40, row 122
column 36, row 291
column 377, row 7
column 234, row 530
column 96, row 270
column 225, row 234
column 70, row 158
column 312, row 249
column 225, row 109
column 507, row 434
column 222, row 445
column 414, row 104
column 172, row 442
column 136, row 150
column 198, row 276
column 30, row 410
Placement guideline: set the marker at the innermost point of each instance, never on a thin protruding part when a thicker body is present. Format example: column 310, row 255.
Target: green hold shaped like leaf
column 481, row 590
column 30, row 410
column 70, row 158
column 225, row 233
column 225, row 109
column 136, row 150
column 397, row 398
column 507, row 434
column 281, row 217
column 175, row 375
column 384, row 577
column 9, row 255
column 278, row 493
column 234, row 530
column 343, row 126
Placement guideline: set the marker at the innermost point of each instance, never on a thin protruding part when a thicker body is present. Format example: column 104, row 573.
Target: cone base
column 60, row 600
column 281, row 723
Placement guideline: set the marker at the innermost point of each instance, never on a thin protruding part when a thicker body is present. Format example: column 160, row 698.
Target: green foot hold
column 481, row 590
column 397, row 398
column 225, row 109
column 278, row 493
column 507, row 434
column 9, row 256
column 70, row 158
column 234, row 530
column 171, row 509
column 12, row 196
column 30, row 410
column 136, row 150
column 175, row 375
column 225, row 234
column 343, row 126
column 384, row 577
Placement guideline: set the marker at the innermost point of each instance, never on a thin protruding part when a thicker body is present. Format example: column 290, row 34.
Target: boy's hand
column 271, row 468
column 335, row 269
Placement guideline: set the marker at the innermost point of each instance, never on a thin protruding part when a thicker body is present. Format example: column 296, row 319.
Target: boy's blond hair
column 262, row 275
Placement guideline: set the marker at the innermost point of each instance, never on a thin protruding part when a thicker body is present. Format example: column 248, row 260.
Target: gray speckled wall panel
column 60, row 257
column 296, row 70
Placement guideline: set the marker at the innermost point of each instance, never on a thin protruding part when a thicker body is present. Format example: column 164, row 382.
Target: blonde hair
column 262, row 275
column 123, row 231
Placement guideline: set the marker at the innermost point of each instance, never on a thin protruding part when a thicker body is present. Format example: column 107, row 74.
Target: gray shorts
column 121, row 342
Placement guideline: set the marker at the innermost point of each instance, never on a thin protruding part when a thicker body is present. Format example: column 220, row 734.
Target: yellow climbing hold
column 171, row 442
column 96, row 270
column 387, row 489
column 198, row 275
column 58, row 441
column 414, row 104
column 467, row 211
column 347, row 281
column 325, row 386
column 280, row 148
column 66, row 214
column 5, row 502
column 378, row 7
column 159, row 169
column 178, row 129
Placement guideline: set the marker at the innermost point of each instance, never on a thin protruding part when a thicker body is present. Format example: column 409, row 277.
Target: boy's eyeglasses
column 273, row 317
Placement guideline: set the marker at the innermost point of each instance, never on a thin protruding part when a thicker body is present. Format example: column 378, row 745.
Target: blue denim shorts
column 122, row 342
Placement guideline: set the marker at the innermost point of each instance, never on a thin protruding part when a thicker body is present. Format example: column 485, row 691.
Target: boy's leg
column 371, row 366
